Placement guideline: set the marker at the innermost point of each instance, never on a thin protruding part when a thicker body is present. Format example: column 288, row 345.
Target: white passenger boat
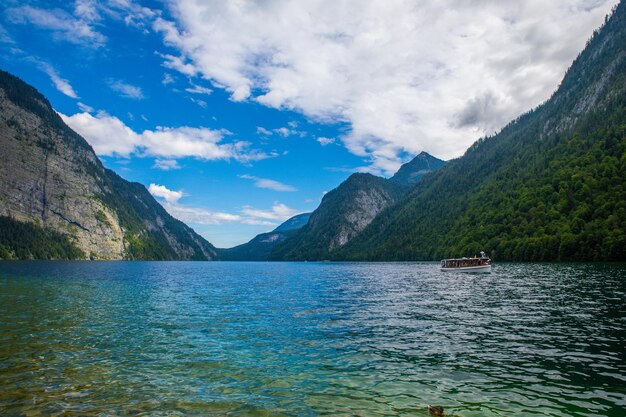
column 476, row 264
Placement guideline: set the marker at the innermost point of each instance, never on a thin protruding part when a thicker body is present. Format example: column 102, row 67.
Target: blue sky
column 237, row 115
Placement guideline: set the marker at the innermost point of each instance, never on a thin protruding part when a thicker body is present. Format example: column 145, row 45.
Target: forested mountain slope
column 550, row 186
column 260, row 247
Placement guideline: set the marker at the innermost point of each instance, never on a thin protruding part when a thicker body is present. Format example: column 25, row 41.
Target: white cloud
column 278, row 212
column 131, row 13
column 268, row 183
column 197, row 89
column 199, row 215
column 108, row 135
column 5, row 37
column 263, row 131
column 80, row 27
column 167, row 79
column 63, row 25
column 284, row 132
column 325, row 141
column 162, row 191
column 406, row 76
column 166, row 164
column 199, row 102
column 85, row 108
column 178, row 64
column 193, row 215
column 203, row 216
column 249, row 215
column 86, row 10
column 61, row 84
column 126, row 90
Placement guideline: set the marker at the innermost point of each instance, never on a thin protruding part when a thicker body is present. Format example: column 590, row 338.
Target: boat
column 477, row 264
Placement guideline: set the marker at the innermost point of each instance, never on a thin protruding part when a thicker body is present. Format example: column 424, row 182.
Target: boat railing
column 465, row 262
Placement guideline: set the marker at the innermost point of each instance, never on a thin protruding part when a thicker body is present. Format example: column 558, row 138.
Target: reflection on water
column 266, row 339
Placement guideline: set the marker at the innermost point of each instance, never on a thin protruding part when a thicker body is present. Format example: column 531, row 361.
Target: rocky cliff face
column 342, row 214
column 48, row 180
column 51, row 177
column 365, row 204
column 347, row 210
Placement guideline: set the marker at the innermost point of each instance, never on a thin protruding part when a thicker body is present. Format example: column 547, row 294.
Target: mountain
column 412, row 172
column 58, row 201
column 296, row 222
column 341, row 215
column 260, row 247
column 550, row 186
column 347, row 210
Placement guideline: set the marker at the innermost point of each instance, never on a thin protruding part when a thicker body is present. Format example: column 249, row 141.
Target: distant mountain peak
column 547, row 187
column 412, row 172
column 260, row 247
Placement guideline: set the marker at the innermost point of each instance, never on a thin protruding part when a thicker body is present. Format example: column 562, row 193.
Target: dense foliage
column 549, row 186
column 19, row 240
column 134, row 206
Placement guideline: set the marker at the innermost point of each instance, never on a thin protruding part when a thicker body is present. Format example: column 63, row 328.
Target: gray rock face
column 367, row 204
column 44, row 180
column 343, row 213
column 51, row 177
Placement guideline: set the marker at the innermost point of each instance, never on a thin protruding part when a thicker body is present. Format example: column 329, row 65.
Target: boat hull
column 481, row 269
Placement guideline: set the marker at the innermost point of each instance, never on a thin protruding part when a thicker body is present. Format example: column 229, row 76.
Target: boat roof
column 463, row 259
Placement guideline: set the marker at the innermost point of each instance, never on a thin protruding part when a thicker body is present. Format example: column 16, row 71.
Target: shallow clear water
column 264, row 339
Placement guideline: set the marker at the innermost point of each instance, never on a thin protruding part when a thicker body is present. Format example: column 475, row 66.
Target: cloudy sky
column 239, row 114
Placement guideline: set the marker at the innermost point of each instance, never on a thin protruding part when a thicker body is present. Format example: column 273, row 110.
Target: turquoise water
column 306, row 339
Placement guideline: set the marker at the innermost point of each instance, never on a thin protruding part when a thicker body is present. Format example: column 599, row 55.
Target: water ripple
column 271, row 339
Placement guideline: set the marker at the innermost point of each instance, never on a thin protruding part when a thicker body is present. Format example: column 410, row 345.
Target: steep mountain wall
column 50, row 177
column 342, row 214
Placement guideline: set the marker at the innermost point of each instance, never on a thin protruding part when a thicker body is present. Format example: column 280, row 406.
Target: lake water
column 306, row 339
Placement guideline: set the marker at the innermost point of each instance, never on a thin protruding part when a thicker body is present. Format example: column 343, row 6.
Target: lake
column 307, row 339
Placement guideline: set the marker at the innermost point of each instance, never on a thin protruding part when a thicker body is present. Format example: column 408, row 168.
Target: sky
column 237, row 115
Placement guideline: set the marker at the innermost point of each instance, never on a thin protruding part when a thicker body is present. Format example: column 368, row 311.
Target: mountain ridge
column 548, row 186
column 259, row 247
column 342, row 214
column 412, row 172
column 346, row 210
column 52, row 179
